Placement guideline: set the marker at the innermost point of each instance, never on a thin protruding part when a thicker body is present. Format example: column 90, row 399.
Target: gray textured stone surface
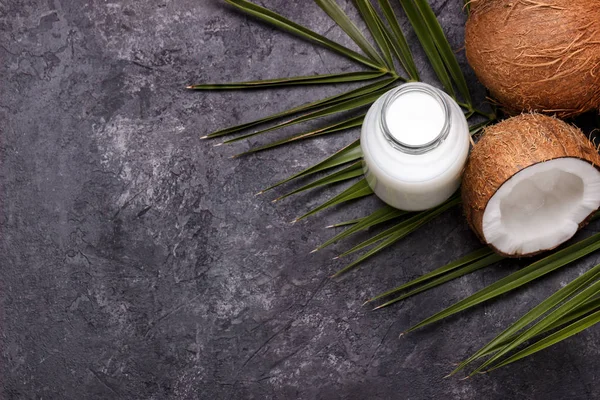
column 137, row 264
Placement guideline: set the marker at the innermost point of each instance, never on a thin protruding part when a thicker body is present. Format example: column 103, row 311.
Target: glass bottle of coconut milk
column 415, row 141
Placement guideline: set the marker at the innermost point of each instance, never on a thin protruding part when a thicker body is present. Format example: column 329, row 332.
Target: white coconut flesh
column 541, row 206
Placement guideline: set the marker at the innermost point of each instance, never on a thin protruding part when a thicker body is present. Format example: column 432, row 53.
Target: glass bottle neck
column 437, row 133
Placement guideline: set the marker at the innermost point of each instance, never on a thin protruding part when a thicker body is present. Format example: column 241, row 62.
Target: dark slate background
column 138, row 264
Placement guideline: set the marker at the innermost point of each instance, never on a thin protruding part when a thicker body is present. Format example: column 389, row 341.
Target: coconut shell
column 537, row 55
column 511, row 146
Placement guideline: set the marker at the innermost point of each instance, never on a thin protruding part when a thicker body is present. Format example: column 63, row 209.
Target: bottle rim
column 419, row 148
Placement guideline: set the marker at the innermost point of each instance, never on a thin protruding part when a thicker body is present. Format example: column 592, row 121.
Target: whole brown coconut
column 537, row 55
column 531, row 181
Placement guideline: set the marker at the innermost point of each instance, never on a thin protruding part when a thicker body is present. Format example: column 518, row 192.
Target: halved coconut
column 530, row 183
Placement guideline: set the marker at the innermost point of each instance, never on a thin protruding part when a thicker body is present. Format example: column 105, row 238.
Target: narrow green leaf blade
column 374, row 25
column 576, row 314
column 352, row 171
column 400, row 233
column 472, row 267
column 344, row 223
column 519, row 278
column 461, row 262
column 538, row 327
column 297, row 80
column 385, row 234
column 416, row 220
column 391, row 239
column 343, row 156
column 292, row 27
column 356, row 191
column 399, row 43
column 351, row 104
column 379, row 216
column 338, row 15
column 565, row 333
column 467, row 6
column 534, row 314
column 447, row 55
column 422, row 32
column 329, row 101
column 474, row 129
column 336, row 127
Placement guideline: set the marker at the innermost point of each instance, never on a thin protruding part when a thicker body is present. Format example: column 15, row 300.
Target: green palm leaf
column 336, row 127
column 533, row 271
column 534, row 314
column 352, row 171
column 428, row 44
column 379, row 216
column 297, row 80
column 385, row 234
column 445, row 51
column 416, row 219
column 339, row 17
column 347, row 154
column 467, row 6
column 329, row 101
column 347, row 105
column 398, row 232
column 565, row 333
column 287, row 25
column 373, row 22
column 569, row 305
column 475, row 129
column 461, row 262
column 356, row 191
column 399, row 43
column 343, row 224
column 471, row 267
column 576, row 314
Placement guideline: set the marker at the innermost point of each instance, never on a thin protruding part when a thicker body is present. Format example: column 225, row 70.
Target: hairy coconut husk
column 511, row 146
column 537, row 55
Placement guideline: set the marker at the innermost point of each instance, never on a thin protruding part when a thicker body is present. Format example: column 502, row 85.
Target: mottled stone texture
column 138, row 264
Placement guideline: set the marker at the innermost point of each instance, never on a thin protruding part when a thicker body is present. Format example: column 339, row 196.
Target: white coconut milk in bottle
column 415, row 141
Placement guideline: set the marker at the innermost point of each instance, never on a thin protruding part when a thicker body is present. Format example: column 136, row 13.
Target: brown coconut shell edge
column 511, row 146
